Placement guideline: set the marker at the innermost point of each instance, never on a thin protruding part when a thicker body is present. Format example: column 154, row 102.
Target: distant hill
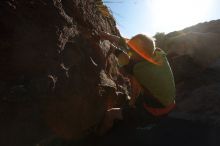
column 206, row 27
column 194, row 55
column 201, row 42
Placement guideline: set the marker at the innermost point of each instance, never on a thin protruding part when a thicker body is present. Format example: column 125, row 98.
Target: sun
column 170, row 15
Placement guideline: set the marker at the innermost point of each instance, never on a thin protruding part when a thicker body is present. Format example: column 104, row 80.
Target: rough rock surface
column 201, row 42
column 57, row 75
column 194, row 55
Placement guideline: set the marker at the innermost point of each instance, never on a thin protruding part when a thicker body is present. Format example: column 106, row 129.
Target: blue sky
column 151, row 16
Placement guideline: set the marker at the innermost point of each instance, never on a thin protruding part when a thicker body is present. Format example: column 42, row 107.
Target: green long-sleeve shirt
column 157, row 79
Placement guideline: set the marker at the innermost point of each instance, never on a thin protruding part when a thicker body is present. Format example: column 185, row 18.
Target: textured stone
column 194, row 54
column 57, row 72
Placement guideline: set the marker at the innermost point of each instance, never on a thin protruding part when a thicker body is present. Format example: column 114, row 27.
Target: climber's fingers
column 107, row 36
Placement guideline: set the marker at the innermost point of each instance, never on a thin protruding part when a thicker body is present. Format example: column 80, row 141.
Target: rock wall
column 194, row 54
column 204, row 48
column 57, row 75
column 201, row 42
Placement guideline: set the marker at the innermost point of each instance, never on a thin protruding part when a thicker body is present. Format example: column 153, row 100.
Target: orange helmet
column 144, row 46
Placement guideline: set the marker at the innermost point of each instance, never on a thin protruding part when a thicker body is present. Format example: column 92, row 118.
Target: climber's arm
column 119, row 41
column 112, row 38
column 122, row 56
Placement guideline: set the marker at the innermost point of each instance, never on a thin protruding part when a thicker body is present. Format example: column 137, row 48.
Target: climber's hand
column 123, row 59
column 107, row 36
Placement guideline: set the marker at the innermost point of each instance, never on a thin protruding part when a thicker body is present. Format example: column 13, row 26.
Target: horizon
column 152, row 16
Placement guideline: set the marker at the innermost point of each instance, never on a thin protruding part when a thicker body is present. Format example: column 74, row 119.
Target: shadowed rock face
column 201, row 42
column 194, row 55
column 204, row 48
column 57, row 75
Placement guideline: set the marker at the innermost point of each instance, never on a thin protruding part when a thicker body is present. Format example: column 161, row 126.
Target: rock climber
column 151, row 77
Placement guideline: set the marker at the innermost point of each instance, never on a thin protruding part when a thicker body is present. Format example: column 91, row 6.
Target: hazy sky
column 151, row 16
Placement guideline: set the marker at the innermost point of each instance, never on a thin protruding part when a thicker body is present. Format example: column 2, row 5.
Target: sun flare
column 177, row 14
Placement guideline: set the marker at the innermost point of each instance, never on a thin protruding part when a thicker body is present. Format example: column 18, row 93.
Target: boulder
column 57, row 75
